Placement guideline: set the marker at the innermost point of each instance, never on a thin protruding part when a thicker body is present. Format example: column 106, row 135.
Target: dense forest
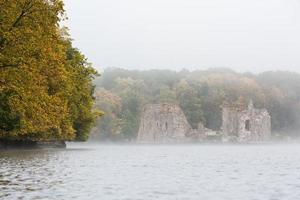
column 123, row 93
column 46, row 90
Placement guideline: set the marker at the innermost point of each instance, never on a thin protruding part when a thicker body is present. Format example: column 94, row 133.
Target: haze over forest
column 122, row 95
column 256, row 36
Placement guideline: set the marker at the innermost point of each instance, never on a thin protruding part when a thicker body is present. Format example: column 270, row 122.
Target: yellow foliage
column 37, row 79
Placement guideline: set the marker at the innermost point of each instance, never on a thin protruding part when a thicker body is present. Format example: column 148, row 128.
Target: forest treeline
column 46, row 90
column 123, row 93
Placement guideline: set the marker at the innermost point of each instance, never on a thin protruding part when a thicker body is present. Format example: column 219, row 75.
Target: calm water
column 152, row 172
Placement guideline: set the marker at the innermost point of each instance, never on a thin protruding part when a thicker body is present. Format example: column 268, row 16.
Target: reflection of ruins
column 166, row 123
column 246, row 125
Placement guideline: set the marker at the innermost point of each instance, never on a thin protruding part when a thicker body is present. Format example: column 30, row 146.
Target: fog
column 146, row 129
column 256, row 35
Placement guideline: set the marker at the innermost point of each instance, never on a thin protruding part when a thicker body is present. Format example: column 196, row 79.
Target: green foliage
column 80, row 93
column 190, row 102
column 129, row 125
column 109, row 123
column 166, row 95
column 45, row 84
column 9, row 121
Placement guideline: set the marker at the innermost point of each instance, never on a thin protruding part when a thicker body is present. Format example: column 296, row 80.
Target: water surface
column 152, row 172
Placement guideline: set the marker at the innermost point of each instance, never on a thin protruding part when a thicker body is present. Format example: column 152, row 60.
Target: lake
column 84, row 171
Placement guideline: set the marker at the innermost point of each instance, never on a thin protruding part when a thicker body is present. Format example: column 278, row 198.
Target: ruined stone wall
column 166, row 123
column 259, row 126
column 163, row 123
column 250, row 125
column 229, row 122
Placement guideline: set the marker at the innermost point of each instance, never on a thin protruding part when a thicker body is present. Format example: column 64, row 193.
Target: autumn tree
column 108, row 127
column 45, row 84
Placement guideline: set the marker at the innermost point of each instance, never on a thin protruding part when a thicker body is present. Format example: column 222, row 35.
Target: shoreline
column 29, row 145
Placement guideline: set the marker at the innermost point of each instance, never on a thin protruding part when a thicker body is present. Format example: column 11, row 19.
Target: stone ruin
column 166, row 123
column 163, row 123
column 248, row 125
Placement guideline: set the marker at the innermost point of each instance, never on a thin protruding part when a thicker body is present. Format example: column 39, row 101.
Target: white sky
column 245, row 35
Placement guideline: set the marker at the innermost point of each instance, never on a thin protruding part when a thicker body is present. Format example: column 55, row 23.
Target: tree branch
column 25, row 10
column 3, row 66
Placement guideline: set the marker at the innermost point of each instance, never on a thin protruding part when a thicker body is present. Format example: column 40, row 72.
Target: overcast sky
column 245, row 35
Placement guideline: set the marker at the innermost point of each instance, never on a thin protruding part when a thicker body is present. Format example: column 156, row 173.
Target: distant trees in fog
column 199, row 93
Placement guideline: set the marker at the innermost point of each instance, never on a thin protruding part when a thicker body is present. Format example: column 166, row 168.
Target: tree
column 166, row 95
column 80, row 92
column 190, row 102
column 45, row 84
column 108, row 126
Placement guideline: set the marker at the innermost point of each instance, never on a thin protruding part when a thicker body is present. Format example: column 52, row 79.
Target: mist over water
column 152, row 172
column 171, row 71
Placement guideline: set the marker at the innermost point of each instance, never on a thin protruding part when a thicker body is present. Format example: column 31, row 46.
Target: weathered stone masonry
column 249, row 125
column 166, row 123
column 163, row 123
